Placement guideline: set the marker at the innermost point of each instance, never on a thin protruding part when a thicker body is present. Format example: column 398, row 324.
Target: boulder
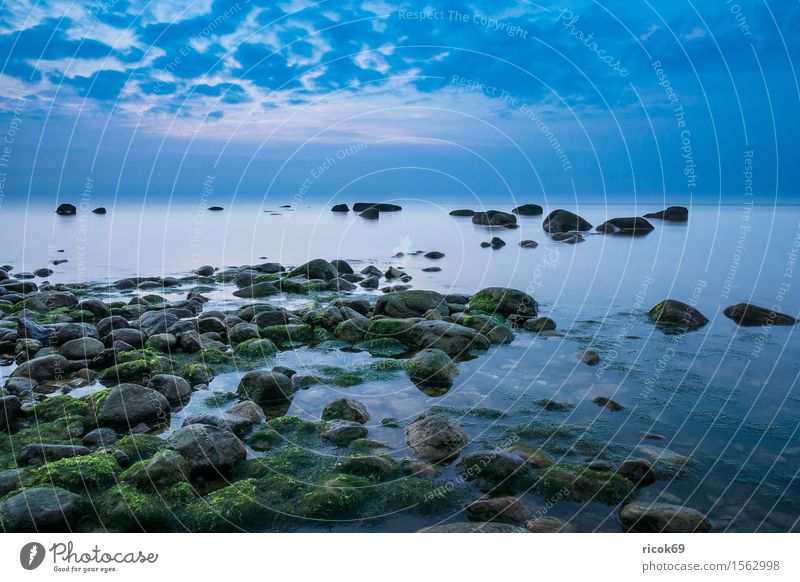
column 315, row 269
column 73, row 331
column 130, row 404
column 66, row 210
column 431, row 367
column 208, row 449
column 174, row 388
column 494, row 218
column 451, row 338
column 528, row 244
column 264, row 289
column 647, row 517
column 564, row 221
column 627, row 226
column 504, row 301
column 84, row 348
column 166, row 468
column 47, row 453
column 747, row 314
column 435, row 438
column 528, row 210
column 41, row 509
column 412, row 303
column 539, row 324
column 49, row 367
column 265, row 386
column 340, row 208
column 159, row 321
column 344, row 432
column 674, row 316
column 234, row 423
column 346, row 409
column 379, row 206
column 673, row 214
column 100, row 210
column 498, row 509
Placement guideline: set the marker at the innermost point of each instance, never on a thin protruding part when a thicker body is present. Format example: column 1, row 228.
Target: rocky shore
column 98, row 373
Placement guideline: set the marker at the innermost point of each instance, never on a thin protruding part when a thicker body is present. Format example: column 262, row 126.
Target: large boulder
column 66, row 209
column 166, row 468
column 504, row 301
column 431, row 367
column 747, row 314
column 83, row 348
column 265, row 386
column 499, row 510
column 676, row 317
column 41, row 509
column 174, row 388
column 153, row 322
column 73, row 331
column 379, row 206
column 47, row 367
column 451, row 338
column 30, row 330
column 632, row 226
column 673, row 214
column 346, row 409
column 434, row 438
column 49, row 300
column 130, row 404
column 208, row 449
column 494, row 218
column 528, row 210
column 264, row 289
column 315, row 269
column 647, row 517
column 412, row 303
column 564, row 221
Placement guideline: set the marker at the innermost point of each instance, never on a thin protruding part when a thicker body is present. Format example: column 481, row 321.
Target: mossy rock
column 135, row 371
column 255, row 348
column 289, row 460
column 264, row 439
column 388, row 327
column 423, row 496
column 382, row 347
column 62, row 431
column 336, row 498
column 237, row 507
column 139, row 447
column 125, row 508
column 369, row 466
column 332, row 344
column 483, row 301
column 553, row 406
column 290, row 424
column 215, row 357
column 386, row 366
column 76, row 473
column 60, row 406
column 197, row 373
column 580, row 483
column 322, row 335
column 340, row 377
column 266, row 277
column 281, row 334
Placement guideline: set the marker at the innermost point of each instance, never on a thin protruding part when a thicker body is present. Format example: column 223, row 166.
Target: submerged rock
column 673, row 214
column 673, row 316
column 747, row 314
column 504, row 301
column 344, row 432
column 631, row 226
column 435, row 438
column 265, row 386
column 451, row 338
column 494, row 218
column 506, row 509
column 208, row 449
column 645, row 517
column 474, row 527
column 564, row 221
column 431, row 367
column 346, row 409
column 130, row 404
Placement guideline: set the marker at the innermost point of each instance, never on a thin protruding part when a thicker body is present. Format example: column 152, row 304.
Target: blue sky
column 576, row 100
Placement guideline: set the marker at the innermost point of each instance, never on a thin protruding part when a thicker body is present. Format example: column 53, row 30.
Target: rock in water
column 315, row 269
column 528, row 244
column 499, row 510
column 644, row 517
column 451, row 338
column 99, row 210
column 528, row 210
column 378, row 206
column 208, row 449
column 564, row 221
column 431, row 367
column 673, row 214
column 504, row 301
column 747, row 314
column 346, row 409
column 215, row 208
column 462, row 212
column 66, row 210
column 340, row 208
column 370, row 214
column 41, row 509
column 130, row 404
column 494, row 218
column 265, row 386
column 434, row 438
column 673, row 316
column 631, row 226
column 412, row 303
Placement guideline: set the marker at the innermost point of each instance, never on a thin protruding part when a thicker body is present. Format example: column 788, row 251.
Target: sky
column 292, row 101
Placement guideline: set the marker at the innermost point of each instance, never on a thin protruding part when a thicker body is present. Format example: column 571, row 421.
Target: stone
column 174, row 388
column 747, row 314
column 73, row 331
column 646, row 517
column 451, row 338
column 265, row 386
column 504, row 301
column 498, row 509
column 47, row 453
column 236, row 424
column 431, row 367
column 315, row 269
column 564, row 221
column 344, row 432
column 153, row 322
column 588, row 357
column 41, row 509
column 9, row 408
column 100, row 438
column 340, row 208
column 412, row 303
column 434, row 255
column 162, row 342
column 672, row 214
column 84, row 348
column 673, row 316
column 248, row 410
column 528, row 210
column 633, row 225
column 539, row 324
column 130, row 404
column 639, row 471
column 379, row 206
column 474, row 527
column 462, row 212
column 528, row 244
column 208, row 449
column 166, row 468
column 66, row 209
column 607, row 403
column 48, row 367
column 435, row 438
column 346, row 409
column 264, row 289
column 567, row 237
column 494, row 218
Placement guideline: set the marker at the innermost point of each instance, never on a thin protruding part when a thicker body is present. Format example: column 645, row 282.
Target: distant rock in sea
column 673, row 214
column 215, row 208
column 494, row 218
column 99, row 210
column 528, row 210
column 747, row 314
column 564, row 221
column 340, row 208
column 462, row 212
column 632, row 226
column 378, row 206
column 66, row 210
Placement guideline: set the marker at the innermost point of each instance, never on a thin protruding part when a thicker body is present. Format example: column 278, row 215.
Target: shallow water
column 724, row 396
